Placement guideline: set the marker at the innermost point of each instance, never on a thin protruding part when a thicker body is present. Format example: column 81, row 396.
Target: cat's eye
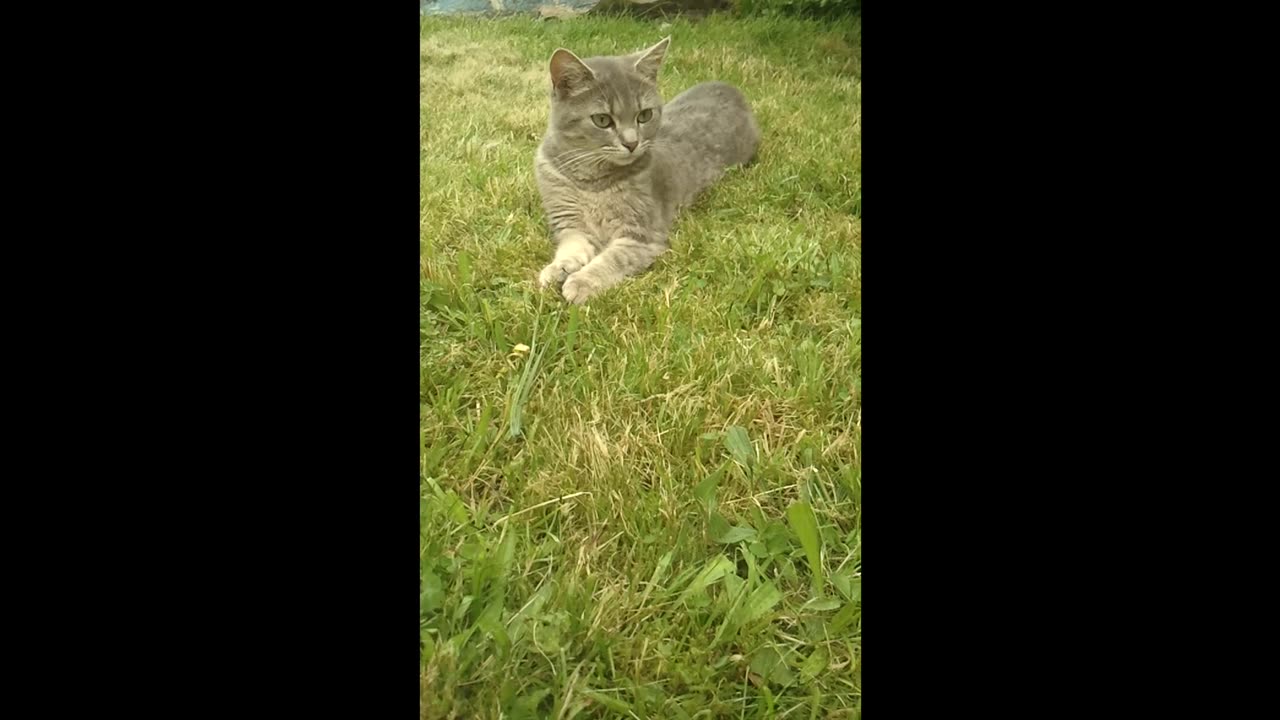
column 602, row 121
column 645, row 116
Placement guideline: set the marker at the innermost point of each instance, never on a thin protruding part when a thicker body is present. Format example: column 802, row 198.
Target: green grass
column 653, row 511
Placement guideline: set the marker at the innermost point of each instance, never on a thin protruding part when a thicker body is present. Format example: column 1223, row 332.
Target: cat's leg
column 573, row 251
column 624, row 257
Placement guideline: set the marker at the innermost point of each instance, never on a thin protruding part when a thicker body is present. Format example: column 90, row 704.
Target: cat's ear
column 648, row 61
column 568, row 73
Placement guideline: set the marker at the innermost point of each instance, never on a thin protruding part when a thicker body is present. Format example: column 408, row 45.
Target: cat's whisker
column 577, row 161
column 582, row 162
column 571, row 157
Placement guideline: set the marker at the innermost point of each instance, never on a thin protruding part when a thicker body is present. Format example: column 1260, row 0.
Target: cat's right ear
column 648, row 61
column 569, row 74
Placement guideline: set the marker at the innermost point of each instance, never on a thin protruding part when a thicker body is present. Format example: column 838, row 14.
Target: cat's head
column 607, row 109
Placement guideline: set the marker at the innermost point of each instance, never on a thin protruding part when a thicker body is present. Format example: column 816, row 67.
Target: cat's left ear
column 650, row 60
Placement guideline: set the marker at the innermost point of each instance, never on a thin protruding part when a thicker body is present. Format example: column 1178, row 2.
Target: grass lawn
column 648, row 506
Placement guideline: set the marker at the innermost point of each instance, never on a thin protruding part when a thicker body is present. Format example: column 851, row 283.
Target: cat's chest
column 607, row 213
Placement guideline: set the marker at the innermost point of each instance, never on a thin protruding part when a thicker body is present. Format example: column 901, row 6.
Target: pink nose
column 630, row 146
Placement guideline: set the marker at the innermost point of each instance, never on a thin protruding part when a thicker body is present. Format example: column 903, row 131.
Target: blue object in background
column 501, row 7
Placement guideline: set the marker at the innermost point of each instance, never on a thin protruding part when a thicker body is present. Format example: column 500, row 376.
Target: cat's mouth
column 622, row 156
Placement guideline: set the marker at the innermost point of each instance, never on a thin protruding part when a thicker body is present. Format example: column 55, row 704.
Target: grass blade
column 739, row 446
column 800, row 516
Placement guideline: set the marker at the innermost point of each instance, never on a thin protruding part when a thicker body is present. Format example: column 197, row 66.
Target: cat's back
column 714, row 120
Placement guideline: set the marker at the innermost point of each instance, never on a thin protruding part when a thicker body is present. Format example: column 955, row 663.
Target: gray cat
column 616, row 165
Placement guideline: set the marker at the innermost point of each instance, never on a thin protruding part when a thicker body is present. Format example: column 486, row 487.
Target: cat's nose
column 630, row 146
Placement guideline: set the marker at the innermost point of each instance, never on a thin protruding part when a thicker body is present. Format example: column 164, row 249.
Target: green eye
column 645, row 116
column 602, row 121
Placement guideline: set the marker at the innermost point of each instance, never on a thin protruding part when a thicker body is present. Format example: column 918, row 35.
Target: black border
column 292, row 499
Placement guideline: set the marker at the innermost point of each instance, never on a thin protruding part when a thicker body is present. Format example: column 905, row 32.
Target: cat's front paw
column 579, row 288
column 556, row 271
